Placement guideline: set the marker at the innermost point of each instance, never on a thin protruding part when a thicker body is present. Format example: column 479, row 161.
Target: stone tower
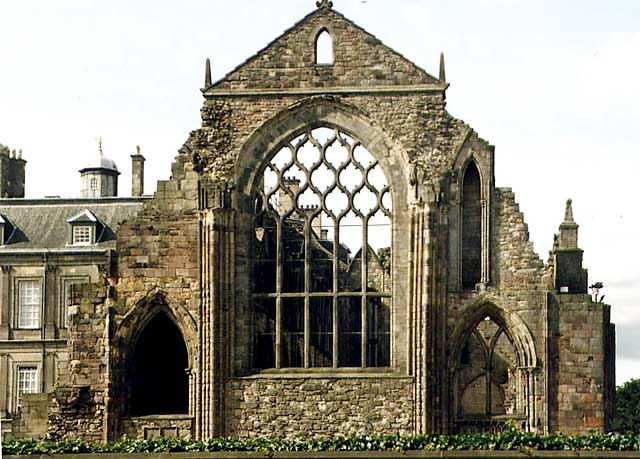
column 12, row 168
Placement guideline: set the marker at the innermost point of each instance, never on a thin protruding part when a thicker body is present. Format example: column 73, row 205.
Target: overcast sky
column 554, row 85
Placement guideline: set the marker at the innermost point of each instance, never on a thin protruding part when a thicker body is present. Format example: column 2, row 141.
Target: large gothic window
column 471, row 228
column 322, row 256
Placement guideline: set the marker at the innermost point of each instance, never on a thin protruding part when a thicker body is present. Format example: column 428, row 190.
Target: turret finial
column 138, row 149
column 443, row 76
column 207, row 74
column 324, row 4
column 568, row 213
column 99, row 140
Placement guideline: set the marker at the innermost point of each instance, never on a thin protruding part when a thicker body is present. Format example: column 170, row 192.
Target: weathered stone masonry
column 469, row 349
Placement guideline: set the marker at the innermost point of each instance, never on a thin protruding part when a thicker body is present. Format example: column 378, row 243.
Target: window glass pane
column 378, row 333
column 321, row 348
column 292, row 332
column 81, row 234
column 28, row 304
column 321, row 253
column 265, row 333
column 27, row 382
column 264, row 249
column 293, row 255
column 350, row 332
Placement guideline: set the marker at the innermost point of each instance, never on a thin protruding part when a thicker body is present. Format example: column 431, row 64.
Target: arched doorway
column 158, row 370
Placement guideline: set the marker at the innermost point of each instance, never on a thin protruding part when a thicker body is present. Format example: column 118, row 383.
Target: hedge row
column 505, row 441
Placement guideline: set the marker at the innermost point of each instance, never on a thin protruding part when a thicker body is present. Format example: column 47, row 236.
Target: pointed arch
column 324, row 47
column 515, row 329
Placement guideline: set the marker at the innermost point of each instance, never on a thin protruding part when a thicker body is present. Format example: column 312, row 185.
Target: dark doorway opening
column 159, row 381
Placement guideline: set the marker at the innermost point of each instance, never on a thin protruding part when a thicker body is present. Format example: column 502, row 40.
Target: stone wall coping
column 420, row 89
column 350, row 455
column 326, row 375
column 151, row 417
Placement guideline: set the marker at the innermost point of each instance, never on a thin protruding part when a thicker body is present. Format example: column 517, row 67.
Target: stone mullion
column 5, row 301
column 279, row 241
column 307, row 290
column 365, row 282
column 336, row 289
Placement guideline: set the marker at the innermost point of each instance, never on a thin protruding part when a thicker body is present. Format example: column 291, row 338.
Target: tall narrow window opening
column 471, row 228
column 27, row 383
column 29, row 304
column 322, row 256
column 324, row 48
column 158, row 370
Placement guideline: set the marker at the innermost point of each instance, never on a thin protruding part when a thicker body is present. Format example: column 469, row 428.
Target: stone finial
column 137, row 149
column 324, row 4
column 99, row 140
column 13, row 154
column 568, row 213
column 207, row 74
column 20, row 154
column 442, row 77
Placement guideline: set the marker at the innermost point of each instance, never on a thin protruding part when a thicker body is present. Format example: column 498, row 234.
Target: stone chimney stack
column 570, row 276
column 12, row 168
column 137, row 173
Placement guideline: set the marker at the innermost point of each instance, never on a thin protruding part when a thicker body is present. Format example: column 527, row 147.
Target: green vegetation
column 508, row 440
column 627, row 418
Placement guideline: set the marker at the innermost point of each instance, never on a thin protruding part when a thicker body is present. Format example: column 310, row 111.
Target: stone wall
column 146, row 427
column 32, row 421
column 317, row 406
column 79, row 401
column 581, row 384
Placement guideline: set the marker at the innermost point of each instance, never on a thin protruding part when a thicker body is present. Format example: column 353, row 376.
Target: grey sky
column 554, row 85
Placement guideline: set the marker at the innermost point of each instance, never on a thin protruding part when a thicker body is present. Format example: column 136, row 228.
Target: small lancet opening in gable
column 324, row 48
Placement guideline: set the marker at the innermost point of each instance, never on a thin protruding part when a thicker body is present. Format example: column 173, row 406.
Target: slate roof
column 43, row 223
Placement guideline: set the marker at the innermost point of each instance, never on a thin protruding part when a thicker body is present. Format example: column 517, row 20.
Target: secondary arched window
column 471, row 228
column 322, row 256
column 486, row 377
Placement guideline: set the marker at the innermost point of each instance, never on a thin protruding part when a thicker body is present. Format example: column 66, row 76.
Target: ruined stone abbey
column 330, row 256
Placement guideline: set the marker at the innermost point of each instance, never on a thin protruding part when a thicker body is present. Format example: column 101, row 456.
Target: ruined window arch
column 324, row 48
column 157, row 370
column 471, row 240
column 322, row 255
column 486, row 377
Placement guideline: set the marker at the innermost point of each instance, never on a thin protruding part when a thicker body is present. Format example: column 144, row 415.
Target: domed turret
column 100, row 179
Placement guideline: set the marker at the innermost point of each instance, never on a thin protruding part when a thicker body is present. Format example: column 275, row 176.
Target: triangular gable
column 86, row 216
column 361, row 60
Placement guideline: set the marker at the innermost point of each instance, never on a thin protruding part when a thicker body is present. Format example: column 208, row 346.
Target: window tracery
column 322, row 256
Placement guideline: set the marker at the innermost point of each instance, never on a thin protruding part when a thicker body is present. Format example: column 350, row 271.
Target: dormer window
column 85, row 228
column 6, row 230
column 81, row 235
